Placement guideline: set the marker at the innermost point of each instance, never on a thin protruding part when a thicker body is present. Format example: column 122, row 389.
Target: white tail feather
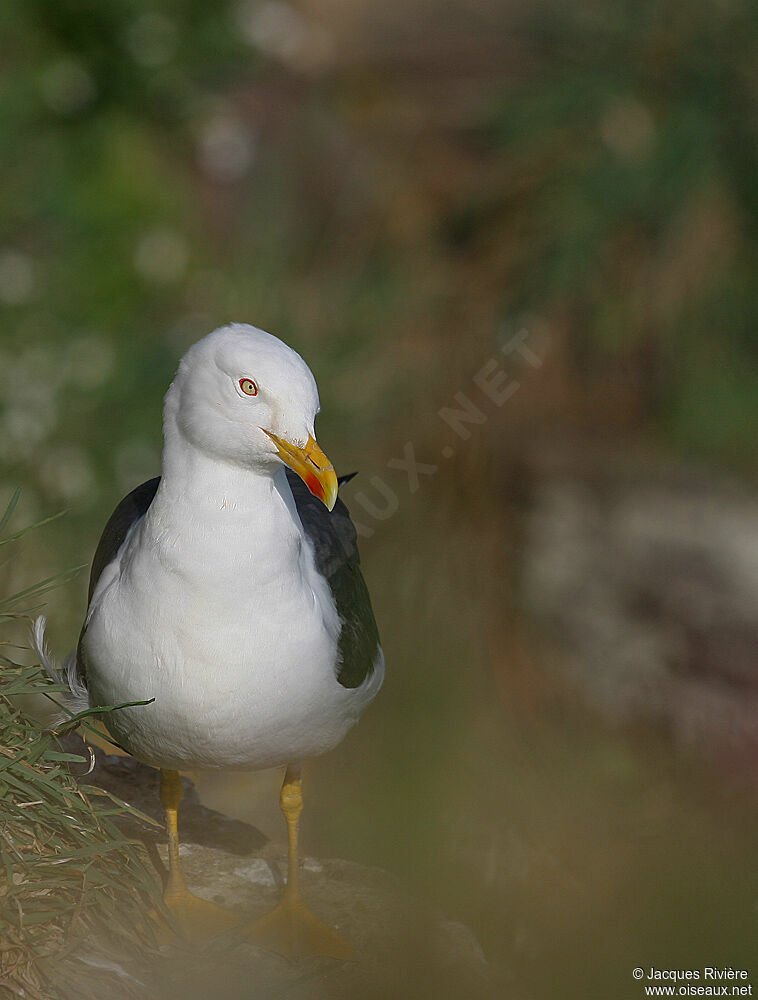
column 75, row 699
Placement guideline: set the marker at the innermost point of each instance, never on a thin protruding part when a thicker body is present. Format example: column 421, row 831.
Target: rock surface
column 648, row 580
column 402, row 947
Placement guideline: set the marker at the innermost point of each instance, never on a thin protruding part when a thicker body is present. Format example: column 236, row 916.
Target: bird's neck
column 190, row 475
column 222, row 504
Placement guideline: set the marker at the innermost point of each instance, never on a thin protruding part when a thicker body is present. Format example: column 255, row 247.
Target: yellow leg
column 197, row 918
column 291, row 928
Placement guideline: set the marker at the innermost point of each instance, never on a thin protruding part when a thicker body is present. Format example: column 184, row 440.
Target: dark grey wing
column 335, row 544
column 131, row 509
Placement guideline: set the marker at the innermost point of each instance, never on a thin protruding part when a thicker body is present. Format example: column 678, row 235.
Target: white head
column 243, row 396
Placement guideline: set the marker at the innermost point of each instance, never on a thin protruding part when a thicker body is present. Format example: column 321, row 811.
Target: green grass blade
column 31, row 527
column 9, row 509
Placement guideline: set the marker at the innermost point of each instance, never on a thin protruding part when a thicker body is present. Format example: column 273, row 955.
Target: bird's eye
column 248, row 387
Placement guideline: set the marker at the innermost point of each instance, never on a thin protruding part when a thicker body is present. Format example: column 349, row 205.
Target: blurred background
column 517, row 244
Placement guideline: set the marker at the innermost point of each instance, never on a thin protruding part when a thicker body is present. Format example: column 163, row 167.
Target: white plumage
column 213, row 605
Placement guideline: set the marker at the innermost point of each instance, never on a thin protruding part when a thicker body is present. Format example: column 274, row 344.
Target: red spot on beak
column 314, row 486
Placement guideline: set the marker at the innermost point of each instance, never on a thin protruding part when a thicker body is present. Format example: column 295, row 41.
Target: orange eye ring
column 248, row 387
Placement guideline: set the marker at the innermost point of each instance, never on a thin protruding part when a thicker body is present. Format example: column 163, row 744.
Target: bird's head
column 243, row 396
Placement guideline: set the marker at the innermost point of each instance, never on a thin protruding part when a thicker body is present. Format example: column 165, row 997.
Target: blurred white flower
column 627, row 128
column 88, row 362
column 161, row 256
column 152, row 39
column 29, row 387
column 17, row 277
column 67, row 86
column 274, row 27
column 27, row 423
column 277, row 29
column 226, row 147
column 67, row 472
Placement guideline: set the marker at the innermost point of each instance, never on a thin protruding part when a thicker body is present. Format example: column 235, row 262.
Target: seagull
column 227, row 593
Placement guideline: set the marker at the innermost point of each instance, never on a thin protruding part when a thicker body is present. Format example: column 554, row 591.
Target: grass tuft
column 76, row 891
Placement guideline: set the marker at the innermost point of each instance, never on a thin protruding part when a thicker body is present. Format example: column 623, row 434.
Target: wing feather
column 134, row 506
column 335, row 545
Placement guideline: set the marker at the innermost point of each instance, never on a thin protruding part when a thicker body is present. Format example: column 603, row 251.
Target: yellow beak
column 311, row 464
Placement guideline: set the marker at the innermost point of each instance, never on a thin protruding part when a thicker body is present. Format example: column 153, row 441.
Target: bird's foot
column 196, row 919
column 291, row 929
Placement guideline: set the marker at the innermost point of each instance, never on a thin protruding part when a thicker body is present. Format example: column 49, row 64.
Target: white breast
column 215, row 609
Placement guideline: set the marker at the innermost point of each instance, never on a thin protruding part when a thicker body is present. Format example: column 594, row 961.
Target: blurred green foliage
column 635, row 131
column 386, row 187
column 70, row 872
column 166, row 168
